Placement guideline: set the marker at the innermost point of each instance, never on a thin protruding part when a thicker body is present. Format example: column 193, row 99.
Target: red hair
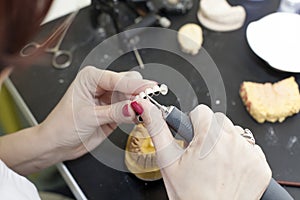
column 19, row 21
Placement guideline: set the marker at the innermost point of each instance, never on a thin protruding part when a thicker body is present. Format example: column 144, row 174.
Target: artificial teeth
column 149, row 92
column 156, row 90
column 143, row 95
column 163, row 89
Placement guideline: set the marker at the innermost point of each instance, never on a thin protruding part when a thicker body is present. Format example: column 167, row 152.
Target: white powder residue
column 271, row 137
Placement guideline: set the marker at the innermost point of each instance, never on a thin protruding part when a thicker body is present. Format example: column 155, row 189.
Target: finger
column 112, row 81
column 207, row 130
column 100, row 81
column 108, row 128
column 224, row 122
column 201, row 118
column 167, row 150
column 132, row 74
column 119, row 113
column 155, row 124
column 239, row 130
column 99, row 136
column 110, row 97
column 129, row 74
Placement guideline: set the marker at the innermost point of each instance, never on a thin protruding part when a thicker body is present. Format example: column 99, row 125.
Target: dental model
column 190, row 38
column 140, row 156
column 218, row 15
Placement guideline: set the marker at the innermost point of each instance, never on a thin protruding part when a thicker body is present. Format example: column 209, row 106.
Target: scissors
column 61, row 58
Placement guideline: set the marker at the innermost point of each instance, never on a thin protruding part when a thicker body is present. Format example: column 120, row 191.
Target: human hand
column 218, row 164
column 94, row 104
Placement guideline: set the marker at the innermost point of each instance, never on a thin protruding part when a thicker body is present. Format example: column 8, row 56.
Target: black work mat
column 42, row 87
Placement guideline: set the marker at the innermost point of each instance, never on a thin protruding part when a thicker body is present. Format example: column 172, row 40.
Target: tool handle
column 147, row 21
column 180, row 123
column 276, row 192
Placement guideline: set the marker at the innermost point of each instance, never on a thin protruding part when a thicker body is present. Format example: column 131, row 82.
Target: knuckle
column 201, row 110
column 86, row 72
column 220, row 114
column 134, row 74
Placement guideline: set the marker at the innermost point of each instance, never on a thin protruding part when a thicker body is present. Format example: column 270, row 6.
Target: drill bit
column 164, row 109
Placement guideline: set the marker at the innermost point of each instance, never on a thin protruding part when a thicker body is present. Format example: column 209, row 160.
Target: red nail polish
column 138, row 109
column 125, row 111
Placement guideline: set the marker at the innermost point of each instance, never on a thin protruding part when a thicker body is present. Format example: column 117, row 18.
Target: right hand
column 218, row 164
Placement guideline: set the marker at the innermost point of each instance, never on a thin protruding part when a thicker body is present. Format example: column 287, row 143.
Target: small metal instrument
column 64, row 55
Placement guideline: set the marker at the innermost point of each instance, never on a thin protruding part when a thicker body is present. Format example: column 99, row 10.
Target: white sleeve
column 13, row 186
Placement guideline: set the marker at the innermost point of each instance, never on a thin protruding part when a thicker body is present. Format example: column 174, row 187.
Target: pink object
column 138, row 109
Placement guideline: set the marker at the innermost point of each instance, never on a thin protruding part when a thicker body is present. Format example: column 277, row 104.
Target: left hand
column 90, row 110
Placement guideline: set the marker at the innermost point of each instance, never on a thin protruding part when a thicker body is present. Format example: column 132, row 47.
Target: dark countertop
column 41, row 87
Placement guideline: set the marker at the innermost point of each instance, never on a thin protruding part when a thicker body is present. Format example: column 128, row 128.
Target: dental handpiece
column 177, row 120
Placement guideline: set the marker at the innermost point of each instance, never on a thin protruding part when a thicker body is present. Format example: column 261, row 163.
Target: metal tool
column 138, row 58
column 176, row 120
column 66, row 55
column 135, row 18
column 170, row 6
column 129, row 38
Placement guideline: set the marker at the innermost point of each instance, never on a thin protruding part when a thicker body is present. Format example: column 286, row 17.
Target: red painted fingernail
column 125, row 111
column 138, row 109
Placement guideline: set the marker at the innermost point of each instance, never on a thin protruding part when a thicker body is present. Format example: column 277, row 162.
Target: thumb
column 167, row 149
column 119, row 113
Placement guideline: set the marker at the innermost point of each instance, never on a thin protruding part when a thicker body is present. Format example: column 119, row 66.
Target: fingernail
column 138, row 109
column 125, row 111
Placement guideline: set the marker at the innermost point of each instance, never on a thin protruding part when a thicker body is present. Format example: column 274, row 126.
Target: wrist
column 63, row 143
column 51, row 136
column 47, row 143
column 28, row 150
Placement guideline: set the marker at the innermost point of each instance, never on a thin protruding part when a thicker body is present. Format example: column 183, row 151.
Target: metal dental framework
column 149, row 92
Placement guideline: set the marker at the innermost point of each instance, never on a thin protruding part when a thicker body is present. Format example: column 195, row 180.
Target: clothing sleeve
column 13, row 186
column 276, row 192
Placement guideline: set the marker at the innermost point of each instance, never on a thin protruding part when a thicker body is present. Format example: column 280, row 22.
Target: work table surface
column 42, row 86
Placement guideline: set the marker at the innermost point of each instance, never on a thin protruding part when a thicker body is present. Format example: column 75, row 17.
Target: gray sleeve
column 276, row 192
